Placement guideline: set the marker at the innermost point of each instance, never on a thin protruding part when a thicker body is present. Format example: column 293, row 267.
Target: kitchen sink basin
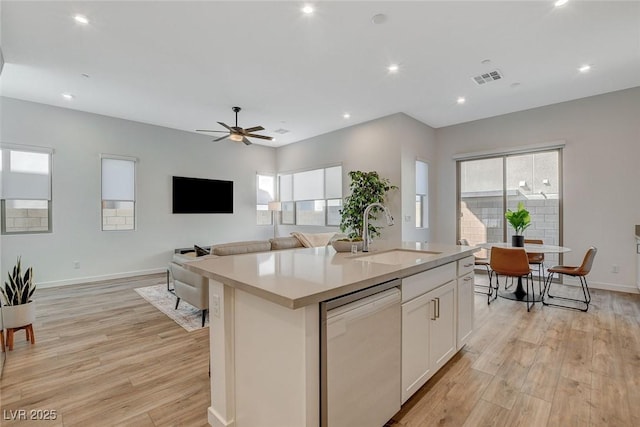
column 398, row 257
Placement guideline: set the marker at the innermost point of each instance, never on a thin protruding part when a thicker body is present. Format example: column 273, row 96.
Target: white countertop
column 296, row 278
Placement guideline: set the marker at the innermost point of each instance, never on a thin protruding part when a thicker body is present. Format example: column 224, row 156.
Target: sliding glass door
column 490, row 185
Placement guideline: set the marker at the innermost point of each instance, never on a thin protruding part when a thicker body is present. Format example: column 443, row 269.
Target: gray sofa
column 194, row 288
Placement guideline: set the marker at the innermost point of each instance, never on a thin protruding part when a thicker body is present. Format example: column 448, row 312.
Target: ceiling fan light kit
column 236, row 133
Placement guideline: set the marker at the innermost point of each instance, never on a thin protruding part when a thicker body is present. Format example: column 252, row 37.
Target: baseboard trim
column 218, row 421
column 90, row 279
column 616, row 287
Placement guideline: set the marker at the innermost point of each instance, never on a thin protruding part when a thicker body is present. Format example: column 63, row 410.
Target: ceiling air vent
column 282, row 131
column 488, row 77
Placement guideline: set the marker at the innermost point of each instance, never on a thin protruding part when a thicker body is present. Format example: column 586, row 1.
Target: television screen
column 196, row 195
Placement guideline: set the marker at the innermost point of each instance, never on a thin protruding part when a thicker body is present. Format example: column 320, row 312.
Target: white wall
column 600, row 168
column 78, row 139
column 387, row 145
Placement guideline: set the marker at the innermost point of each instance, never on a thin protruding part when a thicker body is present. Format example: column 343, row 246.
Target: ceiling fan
column 236, row 133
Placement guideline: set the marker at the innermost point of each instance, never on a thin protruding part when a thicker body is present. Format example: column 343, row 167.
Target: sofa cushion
column 284, row 243
column 313, row 240
column 236, row 248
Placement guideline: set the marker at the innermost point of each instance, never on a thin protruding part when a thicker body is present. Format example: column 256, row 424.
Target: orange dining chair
column 580, row 272
column 482, row 262
column 536, row 259
column 513, row 263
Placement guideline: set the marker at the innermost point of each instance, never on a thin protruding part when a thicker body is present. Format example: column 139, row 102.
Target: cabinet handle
column 435, row 316
column 468, row 265
column 466, row 279
column 437, row 308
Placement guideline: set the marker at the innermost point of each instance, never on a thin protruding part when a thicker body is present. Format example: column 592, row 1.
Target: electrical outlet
column 76, row 264
column 615, row 269
column 215, row 305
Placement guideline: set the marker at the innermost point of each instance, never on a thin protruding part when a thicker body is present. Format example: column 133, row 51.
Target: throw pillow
column 200, row 251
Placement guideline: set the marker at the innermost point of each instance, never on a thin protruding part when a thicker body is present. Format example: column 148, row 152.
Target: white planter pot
column 345, row 246
column 14, row 316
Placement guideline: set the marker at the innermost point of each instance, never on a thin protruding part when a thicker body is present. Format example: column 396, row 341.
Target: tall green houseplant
column 366, row 188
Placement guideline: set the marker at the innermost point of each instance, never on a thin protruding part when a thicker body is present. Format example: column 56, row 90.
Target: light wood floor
column 104, row 356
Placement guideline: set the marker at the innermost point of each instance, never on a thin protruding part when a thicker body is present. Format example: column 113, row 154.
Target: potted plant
column 519, row 220
column 366, row 188
column 18, row 307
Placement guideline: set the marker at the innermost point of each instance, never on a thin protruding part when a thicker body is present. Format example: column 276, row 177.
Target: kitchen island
column 265, row 322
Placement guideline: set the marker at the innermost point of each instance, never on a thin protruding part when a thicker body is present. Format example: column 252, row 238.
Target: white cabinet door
column 465, row 309
column 416, row 366
column 442, row 343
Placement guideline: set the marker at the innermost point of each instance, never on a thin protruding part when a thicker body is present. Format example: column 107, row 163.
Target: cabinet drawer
column 466, row 265
column 420, row 283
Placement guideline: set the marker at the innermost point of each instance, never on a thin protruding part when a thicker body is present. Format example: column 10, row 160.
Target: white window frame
column 6, row 177
column 132, row 199
column 290, row 203
column 422, row 195
column 262, row 202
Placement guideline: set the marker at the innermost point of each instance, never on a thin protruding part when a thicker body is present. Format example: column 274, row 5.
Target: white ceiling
column 184, row 64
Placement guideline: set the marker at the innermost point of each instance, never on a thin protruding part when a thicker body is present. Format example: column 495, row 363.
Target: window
column 265, row 189
column 422, row 193
column 118, row 193
column 490, row 185
column 25, row 186
column 312, row 197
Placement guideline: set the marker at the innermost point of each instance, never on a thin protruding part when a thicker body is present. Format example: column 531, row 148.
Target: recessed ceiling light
column 393, row 68
column 85, row 75
column 68, row 96
column 308, row 9
column 515, row 84
column 461, row 100
column 81, row 19
column 584, row 68
column 560, row 3
column 346, row 115
column 485, row 61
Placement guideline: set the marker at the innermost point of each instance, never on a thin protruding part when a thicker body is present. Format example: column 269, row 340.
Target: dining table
column 520, row 294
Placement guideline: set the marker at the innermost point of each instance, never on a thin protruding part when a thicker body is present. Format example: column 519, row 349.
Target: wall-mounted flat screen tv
column 197, row 195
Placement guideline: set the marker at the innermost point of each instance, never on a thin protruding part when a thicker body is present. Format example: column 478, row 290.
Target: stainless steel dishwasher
column 360, row 357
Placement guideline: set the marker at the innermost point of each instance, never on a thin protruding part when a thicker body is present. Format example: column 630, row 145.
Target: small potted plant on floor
column 519, row 220
column 366, row 188
column 18, row 308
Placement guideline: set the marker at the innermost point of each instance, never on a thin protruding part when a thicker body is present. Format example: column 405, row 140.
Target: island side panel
column 221, row 349
column 271, row 362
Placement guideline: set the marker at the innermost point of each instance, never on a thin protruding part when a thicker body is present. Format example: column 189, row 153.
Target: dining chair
column 536, row 259
column 482, row 262
column 580, row 272
column 512, row 263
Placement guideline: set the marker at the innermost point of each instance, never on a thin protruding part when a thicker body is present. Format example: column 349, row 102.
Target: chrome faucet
column 365, row 223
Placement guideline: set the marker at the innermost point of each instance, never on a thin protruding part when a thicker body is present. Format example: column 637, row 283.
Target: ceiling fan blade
column 253, row 129
column 224, row 125
column 206, row 130
column 251, row 135
column 246, row 141
column 222, row 137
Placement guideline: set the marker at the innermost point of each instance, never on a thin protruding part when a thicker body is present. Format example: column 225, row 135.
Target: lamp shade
column 275, row 206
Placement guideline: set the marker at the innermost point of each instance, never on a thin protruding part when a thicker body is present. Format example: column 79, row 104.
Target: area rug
column 187, row 316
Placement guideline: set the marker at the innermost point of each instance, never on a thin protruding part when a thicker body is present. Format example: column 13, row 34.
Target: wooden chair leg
column 30, row 335
column 10, row 339
column 2, row 340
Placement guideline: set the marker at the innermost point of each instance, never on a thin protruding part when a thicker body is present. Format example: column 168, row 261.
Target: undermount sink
column 398, row 257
